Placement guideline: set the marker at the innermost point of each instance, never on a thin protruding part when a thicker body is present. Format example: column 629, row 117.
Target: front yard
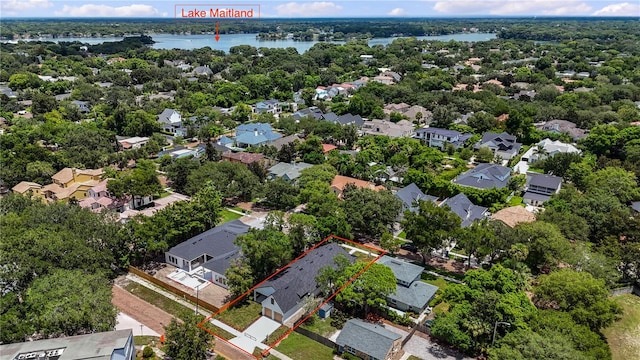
column 300, row 347
column 240, row 317
column 320, row 327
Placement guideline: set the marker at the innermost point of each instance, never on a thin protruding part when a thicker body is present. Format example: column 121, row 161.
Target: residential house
column 402, row 128
column 419, row 114
column 547, row 148
column 366, row 59
column 271, row 106
column 467, row 211
column 279, row 143
column 171, row 121
column 514, row 215
column 411, row 295
column 503, row 145
column 181, row 152
column 563, row 126
column 242, row 157
column 61, row 97
column 310, row 111
column 463, row 119
column 5, row 90
column 436, row 137
column 369, row 341
column 326, row 148
column 135, row 142
column 410, row 195
column 202, row 71
column 116, row 345
column 71, row 183
column 540, row 187
column 26, row 187
column 99, row 198
column 635, row 206
column 485, row 176
column 209, row 254
column 339, row 182
column 396, row 108
column 346, row 119
column 283, row 296
column 257, row 134
column 287, row 171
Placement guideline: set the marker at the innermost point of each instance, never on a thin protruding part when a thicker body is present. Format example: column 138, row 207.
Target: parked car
column 409, row 247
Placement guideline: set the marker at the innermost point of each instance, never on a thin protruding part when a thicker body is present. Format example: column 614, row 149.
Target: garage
column 277, row 317
column 267, row 313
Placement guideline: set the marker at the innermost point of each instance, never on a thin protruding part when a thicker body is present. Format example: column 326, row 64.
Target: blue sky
column 327, row 8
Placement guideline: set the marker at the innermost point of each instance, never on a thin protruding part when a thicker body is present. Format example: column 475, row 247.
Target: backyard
column 320, row 326
column 301, row 347
column 624, row 335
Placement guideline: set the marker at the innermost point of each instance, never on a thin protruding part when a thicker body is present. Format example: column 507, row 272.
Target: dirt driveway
column 149, row 315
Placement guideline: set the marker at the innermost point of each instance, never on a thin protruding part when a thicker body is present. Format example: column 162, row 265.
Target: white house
column 547, row 148
column 209, row 254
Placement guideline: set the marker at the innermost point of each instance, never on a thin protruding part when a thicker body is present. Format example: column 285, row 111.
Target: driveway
column 420, row 346
column 261, row 328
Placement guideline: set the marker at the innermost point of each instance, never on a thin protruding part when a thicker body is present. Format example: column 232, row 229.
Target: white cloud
column 308, row 9
column 13, row 6
column 512, row 7
column 397, row 12
column 621, row 9
column 93, row 10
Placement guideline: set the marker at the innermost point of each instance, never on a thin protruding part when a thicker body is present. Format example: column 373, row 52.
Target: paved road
column 124, row 321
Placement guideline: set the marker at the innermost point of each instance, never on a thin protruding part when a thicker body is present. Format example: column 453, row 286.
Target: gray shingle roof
column 221, row 265
column 402, row 270
column 371, row 339
column 501, row 142
column 485, row 176
column 544, row 180
column 299, row 279
column 635, row 206
column 215, row 242
column 465, row 209
column 417, row 295
column 535, row 196
column 291, row 171
column 410, row 194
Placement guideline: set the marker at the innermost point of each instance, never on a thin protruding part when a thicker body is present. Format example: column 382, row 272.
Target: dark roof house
column 411, row 294
column 367, row 340
column 503, row 145
column 283, row 295
column 540, row 187
column 467, row 211
column 410, row 195
column 213, row 244
column 485, row 176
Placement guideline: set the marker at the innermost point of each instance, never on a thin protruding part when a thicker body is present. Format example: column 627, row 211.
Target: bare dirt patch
column 147, row 314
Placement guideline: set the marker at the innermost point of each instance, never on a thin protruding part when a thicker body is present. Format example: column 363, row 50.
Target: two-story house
column 171, row 121
column 257, row 134
column 540, row 187
column 467, row 211
column 71, row 183
column 411, row 294
column 436, row 137
column 503, row 145
column 485, row 176
column 209, row 254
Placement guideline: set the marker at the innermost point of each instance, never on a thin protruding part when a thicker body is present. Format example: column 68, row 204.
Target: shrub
column 148, row 352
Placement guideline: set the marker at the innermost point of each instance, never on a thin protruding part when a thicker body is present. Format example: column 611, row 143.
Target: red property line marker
column 217, row 31
column 300, row 322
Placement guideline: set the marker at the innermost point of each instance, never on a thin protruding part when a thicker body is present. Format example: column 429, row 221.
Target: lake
column 227, row 41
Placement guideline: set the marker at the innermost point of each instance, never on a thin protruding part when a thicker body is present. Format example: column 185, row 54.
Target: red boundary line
column 299, row 322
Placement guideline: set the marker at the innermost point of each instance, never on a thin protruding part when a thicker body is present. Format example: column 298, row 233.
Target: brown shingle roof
column 514, row 215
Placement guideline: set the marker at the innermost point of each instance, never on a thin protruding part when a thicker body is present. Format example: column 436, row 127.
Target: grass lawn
column 276, row 335
column 360, row 256
column 300, row 347
column 226, row 216
column 515, row 201
column 624, row 335
column 158, row 300
column 145, row 340
column 413, row 358
column 240, row 317
column 320, row 327
column 220, row 332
